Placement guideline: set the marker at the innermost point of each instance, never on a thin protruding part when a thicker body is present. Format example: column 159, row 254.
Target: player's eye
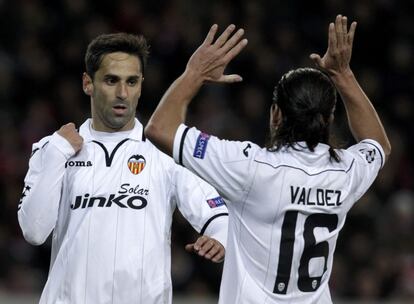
column 110, row 80
column 132, row 82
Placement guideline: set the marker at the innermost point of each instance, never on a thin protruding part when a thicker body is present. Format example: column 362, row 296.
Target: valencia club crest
column 136, row 163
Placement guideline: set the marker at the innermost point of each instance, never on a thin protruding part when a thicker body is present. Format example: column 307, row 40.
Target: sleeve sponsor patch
column 369, row 154
column 201, row 145
column 216, row 202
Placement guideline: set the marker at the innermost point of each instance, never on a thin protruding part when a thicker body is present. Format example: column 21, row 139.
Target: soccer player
column 109, row 195
column 287, row 202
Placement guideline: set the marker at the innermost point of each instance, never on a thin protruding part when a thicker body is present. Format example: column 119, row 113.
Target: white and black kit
column 286, row 210
column 110, row 209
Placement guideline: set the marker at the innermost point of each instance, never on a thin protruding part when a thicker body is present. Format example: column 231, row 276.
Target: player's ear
column 332, row 116
column 87, row 84
column 275, row 115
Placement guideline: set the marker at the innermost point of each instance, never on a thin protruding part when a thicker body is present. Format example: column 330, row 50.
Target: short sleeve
column 200, row 204
column 368, row 158
column 227, row 165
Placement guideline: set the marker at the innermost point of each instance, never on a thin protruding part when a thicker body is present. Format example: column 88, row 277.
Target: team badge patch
column 201, row 145
column 369, row 154
column 216, row 202
column 136, row 163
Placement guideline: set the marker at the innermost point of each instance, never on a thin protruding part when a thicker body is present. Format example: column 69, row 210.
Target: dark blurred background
column 42, row 44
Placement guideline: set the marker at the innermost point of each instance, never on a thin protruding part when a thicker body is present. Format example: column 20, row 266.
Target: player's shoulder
column 367, row 151
column 301, row 158
column 39, row 146
column 271, row 155
column 246, row 149
column 41, row 143
column 162, row 159
column 233, row 152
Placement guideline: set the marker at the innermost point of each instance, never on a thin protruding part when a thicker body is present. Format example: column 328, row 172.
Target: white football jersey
column 110, row 207
column 286, row 209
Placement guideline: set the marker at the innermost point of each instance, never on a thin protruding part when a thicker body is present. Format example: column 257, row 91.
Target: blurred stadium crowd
column 42, row 44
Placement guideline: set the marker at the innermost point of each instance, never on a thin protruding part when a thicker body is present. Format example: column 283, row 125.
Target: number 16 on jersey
column 305, row 283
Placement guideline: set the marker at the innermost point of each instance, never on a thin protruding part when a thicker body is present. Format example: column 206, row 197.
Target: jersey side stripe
column 210, row 220
column 180, row 155
column 34, row 151
column 310, row 174
column 37, row 149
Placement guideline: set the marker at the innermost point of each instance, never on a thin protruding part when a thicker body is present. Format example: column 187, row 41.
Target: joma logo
column 78, row 163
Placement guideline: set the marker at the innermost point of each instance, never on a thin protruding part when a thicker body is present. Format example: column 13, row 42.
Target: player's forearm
column 363, row 119
column 172, row 110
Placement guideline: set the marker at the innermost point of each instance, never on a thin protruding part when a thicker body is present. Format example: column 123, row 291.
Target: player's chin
column 118, row 121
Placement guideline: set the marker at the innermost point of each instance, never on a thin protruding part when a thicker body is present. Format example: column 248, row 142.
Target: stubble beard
column 117, row 122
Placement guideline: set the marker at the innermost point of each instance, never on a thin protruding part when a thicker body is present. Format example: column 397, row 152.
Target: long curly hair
column 306, row 98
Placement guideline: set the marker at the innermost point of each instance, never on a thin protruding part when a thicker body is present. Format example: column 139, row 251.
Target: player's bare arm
column 69, row 132
column 207, row 247
column 363, row 120
column 207, row 64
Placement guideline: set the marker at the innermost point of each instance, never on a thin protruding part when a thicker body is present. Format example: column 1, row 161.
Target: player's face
column 115, row 91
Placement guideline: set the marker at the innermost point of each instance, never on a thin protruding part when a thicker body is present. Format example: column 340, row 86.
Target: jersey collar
column 137, row 133
column 302, row 146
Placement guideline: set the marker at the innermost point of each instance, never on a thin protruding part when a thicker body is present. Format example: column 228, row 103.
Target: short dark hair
column 306, row 97
column 117, row 42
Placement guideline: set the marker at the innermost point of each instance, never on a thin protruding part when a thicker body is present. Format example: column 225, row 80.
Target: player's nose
column 122, row 91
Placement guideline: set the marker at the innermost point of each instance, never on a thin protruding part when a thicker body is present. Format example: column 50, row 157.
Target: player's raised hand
column 211, row 58
column 340, row 40
column 69, row 132
column 207, row 247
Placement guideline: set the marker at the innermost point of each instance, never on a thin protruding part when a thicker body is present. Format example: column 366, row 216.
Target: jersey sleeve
column 39, row 204
column 368, row 158
column 201, row 205
column 227, row 165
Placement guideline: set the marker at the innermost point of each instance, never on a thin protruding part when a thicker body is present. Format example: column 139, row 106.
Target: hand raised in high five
column 212, row 57
column 69, row 133
column 340, row 40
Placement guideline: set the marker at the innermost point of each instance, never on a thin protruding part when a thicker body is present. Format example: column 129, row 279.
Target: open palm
column 211, row 58
column 340, row 40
